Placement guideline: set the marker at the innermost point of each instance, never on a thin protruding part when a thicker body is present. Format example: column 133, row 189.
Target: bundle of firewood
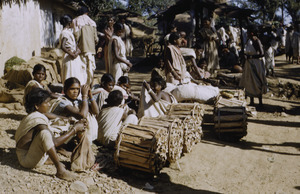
column 174, row 128
column 230, row 117
column 191, row 115
column 142, row 148
column 192, row 133
column 183, row 110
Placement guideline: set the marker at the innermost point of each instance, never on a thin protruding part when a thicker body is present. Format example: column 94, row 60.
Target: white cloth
column 127, row 40
column 110, row 122
column 223, row 35
column 41, row 143
column 253, row 78
column 81, row 21
column 149, row 108
column 89, row 60
column 188, row 52
column 269, row 58
column 99, row 95
column 72, row 67
column 58, row 107
column 29, row 86
column 117, row 68
column 194, row 92
column 125, row 95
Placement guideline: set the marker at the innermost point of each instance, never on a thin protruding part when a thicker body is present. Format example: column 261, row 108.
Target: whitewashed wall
column 27, row 27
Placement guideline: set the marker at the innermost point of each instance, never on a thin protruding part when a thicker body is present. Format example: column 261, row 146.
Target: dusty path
column 267, row 160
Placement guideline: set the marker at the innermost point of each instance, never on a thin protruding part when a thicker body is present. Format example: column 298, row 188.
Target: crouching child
column 34, row 140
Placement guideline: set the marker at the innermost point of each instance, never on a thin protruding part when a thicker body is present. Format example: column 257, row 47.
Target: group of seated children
column 99, row 113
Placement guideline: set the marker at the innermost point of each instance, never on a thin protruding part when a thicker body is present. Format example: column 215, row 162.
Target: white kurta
column 253, row 79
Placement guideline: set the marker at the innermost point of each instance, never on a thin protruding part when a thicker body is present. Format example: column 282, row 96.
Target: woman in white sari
column 71, row 106
column 72, row 64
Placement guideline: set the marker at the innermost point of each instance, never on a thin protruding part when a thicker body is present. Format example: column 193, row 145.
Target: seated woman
column 34, row 141
column 175, row 66
column 39, row 75
column 111, row 118
column 154, row 100
column 130, row 99
column 100, row 91
column 71, row 106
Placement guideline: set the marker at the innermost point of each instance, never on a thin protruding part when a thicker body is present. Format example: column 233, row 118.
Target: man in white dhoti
column 86, row 35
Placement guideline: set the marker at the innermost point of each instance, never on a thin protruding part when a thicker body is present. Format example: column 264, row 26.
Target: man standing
column 85, row 32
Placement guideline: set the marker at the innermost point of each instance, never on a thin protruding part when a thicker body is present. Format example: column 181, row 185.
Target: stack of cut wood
column 155, row 140
column 142, row 148
column 230, row 115
column 175, row 133
column 191, row 115
column 192, row 133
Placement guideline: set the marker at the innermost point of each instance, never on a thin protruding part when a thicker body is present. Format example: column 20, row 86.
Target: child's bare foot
column 48, row 162
column 66, row 175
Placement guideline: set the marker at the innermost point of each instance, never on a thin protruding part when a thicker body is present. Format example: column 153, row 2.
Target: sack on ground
column 82, row 157
column 195, row 92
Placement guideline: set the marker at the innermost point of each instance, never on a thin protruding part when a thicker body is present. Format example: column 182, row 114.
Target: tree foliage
column 148, row 7
column 293, row 8
column 266, row 9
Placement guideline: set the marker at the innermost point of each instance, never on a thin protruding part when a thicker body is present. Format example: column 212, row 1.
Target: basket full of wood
column 142, row 148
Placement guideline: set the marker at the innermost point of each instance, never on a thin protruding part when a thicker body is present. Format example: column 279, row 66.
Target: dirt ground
column 267, row 160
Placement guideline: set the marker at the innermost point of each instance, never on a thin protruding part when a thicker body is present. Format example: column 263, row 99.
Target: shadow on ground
column 211, row 138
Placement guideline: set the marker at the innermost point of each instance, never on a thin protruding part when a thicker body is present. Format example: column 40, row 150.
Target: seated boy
column 111, row 118
column 34, row 140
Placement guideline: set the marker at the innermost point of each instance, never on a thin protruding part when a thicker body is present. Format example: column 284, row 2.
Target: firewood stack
column 191, row 115
column 230, row 115
column 142, row 148
column 175, row 133
column 192, row 133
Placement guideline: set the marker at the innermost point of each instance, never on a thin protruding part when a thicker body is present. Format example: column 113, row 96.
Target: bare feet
column 66, row 175
column 48, row 162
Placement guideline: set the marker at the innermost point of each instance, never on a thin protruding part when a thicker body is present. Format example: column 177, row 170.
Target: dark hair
column 114, row 98
column 35, row 97
column 123, row 80
column 159, row 80
column 65, row 20
column 172, row 26
column 252, row 29
column 106, row 78
column 173, row 36
column 82, row 10
column 69, row 82
column 110, row 17
column 118, row 26
column 38, row 67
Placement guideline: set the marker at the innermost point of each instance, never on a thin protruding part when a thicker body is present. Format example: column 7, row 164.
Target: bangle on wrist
column 92, row 99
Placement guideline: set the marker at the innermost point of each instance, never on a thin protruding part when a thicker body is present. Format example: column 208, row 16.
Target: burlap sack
column 82, row 157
